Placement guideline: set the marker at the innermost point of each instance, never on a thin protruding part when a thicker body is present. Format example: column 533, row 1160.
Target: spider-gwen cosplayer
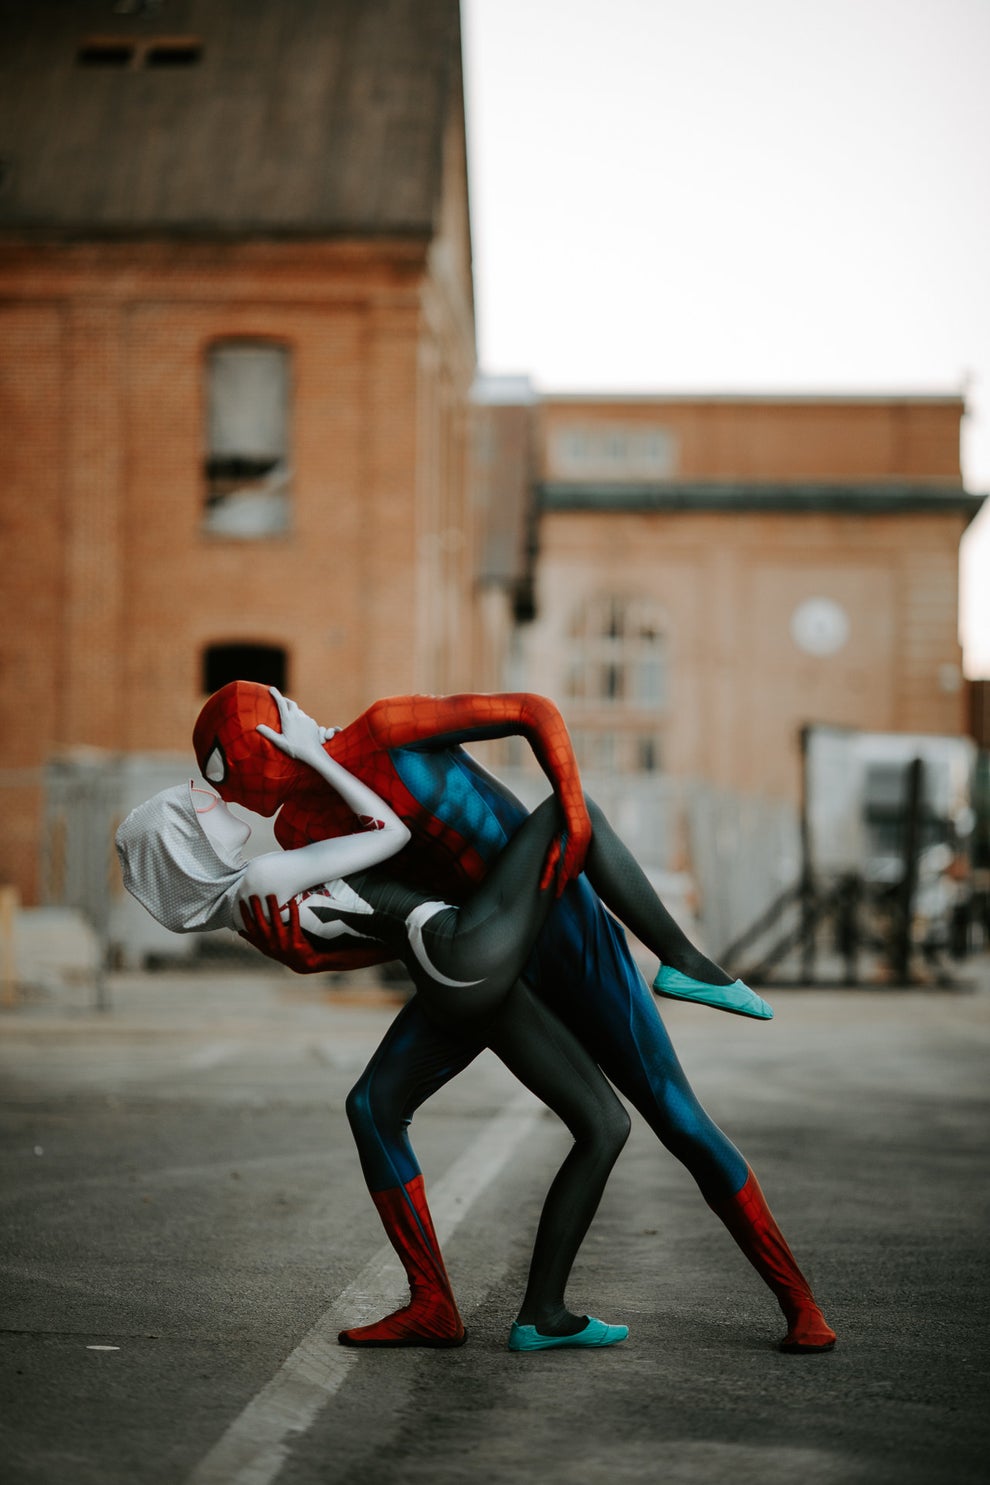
column 409, row 750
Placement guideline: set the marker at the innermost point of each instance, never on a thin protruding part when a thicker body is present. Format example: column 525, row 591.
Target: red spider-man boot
column 751, row 1223
column 431, row 1317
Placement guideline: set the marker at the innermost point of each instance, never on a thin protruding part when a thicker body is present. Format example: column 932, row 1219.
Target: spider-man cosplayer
column 409, row 750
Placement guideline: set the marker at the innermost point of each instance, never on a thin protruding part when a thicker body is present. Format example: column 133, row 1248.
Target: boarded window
column 266, row 664
column 247, row 439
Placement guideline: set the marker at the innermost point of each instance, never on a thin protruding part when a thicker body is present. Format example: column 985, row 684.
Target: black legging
column 542, row 1053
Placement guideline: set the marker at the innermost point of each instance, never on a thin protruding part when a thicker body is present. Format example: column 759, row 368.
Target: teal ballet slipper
column 736, row 998
column 595, row 1333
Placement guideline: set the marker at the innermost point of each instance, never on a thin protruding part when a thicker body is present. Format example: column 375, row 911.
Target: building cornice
column 793, row 498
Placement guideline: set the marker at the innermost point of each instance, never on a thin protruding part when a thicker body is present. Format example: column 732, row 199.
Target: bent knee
column 370, row 1104
column 618, row 1125
column 357, row 1105
column 610, row 1128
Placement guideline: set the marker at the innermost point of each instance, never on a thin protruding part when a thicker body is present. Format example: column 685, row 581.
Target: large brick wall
column 112, row 588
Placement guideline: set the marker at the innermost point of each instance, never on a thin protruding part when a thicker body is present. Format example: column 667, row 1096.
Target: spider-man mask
column 243, row 767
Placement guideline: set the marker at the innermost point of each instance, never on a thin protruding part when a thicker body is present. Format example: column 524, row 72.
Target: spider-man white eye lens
column 216, row 768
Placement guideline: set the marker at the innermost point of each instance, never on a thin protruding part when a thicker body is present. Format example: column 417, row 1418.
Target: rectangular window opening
column 246, row 459
column 186, row 52
column 105, row 51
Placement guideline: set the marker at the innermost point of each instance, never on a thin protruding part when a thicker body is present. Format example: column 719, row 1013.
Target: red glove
column 287, row 943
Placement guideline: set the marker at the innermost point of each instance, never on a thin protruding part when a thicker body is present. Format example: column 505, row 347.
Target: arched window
column 266, row 664
column 246, row 459
column 616, row 683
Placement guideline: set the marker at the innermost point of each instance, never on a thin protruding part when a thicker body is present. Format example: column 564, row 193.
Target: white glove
column 300, row 737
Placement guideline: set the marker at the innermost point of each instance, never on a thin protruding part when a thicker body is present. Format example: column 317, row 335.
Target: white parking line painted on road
column 254, row 1447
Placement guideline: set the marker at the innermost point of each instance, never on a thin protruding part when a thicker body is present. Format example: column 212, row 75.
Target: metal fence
column 718, row 859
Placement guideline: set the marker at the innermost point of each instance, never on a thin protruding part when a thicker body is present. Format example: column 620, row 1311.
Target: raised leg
column 484, row 947
column 685, row 973
column 623, row 886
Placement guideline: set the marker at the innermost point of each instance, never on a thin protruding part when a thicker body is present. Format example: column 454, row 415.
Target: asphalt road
column 184, row 1228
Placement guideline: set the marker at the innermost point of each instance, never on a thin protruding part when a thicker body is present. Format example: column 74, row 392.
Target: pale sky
column 739, row 196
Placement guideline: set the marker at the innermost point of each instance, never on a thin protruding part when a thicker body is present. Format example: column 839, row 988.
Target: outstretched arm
column 437, row 721
column 283, row 874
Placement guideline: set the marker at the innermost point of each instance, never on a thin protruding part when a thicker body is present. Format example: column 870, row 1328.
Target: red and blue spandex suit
column 409, row 750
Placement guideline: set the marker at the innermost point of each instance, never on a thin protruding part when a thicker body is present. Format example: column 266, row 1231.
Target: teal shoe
column 595, row 1333
column 736, row 998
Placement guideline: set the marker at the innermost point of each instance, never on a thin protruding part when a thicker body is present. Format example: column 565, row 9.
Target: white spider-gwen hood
column 173, row 869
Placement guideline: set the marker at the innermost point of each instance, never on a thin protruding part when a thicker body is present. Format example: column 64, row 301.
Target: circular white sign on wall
column 820, row 626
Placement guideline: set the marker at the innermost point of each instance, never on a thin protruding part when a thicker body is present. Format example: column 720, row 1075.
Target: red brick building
column 236, row 348
column 712, row 573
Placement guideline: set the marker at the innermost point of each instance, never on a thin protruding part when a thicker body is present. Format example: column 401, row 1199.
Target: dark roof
column 312, row 117
column 873, row 498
